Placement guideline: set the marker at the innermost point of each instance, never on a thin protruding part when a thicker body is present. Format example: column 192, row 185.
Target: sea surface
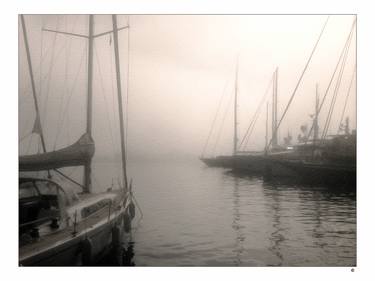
column 195, row 215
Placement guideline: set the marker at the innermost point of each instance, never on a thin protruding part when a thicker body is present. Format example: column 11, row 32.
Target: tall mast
column 37, row 126
column 235, row 138
column 33, row 83
column 87, row 175
column 274, row 109
column 118, row 79
column 316, row 126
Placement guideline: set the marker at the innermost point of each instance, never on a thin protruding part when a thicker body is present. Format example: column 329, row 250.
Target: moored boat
column 58, row 226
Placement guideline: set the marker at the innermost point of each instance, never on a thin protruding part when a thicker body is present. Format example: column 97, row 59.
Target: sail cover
column 76, row 154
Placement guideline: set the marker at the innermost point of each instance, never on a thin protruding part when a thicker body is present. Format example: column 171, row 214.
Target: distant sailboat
column 56, row 226
column 329, row 159
column 294, row 160
column 249, row 161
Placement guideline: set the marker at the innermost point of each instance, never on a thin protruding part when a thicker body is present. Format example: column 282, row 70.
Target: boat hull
column 86, row 247
column 252, row 164
column 314, row 173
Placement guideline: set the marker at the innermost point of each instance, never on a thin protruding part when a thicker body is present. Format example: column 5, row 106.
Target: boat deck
column 77, row 232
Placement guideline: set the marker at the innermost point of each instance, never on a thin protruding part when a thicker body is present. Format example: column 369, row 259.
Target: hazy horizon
column 179, row 67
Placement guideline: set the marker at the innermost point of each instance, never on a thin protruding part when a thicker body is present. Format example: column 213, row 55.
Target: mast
column 37, row 118
column 37, row 126
column 274, row 109
column 87, row 175
column 316, row 126
column 235, row 138
column 118, row 79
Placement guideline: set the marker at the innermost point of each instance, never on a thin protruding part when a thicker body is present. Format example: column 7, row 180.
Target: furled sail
column 76, row 154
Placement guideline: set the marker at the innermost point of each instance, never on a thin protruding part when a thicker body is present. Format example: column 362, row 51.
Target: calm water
column 199, row 216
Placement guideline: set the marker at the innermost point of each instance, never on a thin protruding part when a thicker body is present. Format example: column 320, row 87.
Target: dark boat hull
column 273, row 166
column 252, row 164
column 314, row 173
column 85, row 248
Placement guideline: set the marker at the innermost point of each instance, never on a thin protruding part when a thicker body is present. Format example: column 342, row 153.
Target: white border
column 9, row 141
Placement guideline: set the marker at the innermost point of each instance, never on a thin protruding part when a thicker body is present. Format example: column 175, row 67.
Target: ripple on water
column 199, row 216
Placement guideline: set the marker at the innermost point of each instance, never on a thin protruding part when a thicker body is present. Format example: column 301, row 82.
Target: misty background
column 174, row 70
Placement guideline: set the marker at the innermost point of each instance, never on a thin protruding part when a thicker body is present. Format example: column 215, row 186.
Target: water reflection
column 308, row 224
column 236, row 224
column 208, row 217
column 276, row 238
column 121, row 256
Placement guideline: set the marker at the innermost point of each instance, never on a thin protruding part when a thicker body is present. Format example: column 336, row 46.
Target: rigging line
column 222, row 124
column 333, row 101
column 251, row 130
column 103, row 94
column 24, row 137
column 28, row 147
column 66, row 90
column 50, row 74
column 56, row 55
column 215, row 118
column 258, row 109
column 127, row 93
column 41, row 60
column 333, row 75
column 70, row 95
column 336, row 90
column 68, row 178
column 43, row 57
column 113, row 95
column 74, row 84
column 50, row 47
column 61, row 48
column 346, row 98
column 334, row 98
column 299, row 80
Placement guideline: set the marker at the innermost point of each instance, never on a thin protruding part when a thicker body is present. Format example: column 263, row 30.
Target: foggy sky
column 179, row 68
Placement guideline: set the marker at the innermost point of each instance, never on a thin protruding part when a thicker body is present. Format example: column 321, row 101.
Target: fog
column 179, row 66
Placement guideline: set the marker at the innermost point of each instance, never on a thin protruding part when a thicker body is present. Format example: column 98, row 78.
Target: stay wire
column 215, row 118
column 336, row 90
column 65, row 90
column 127, row 94
column 70, row 95
column 299, row 81
column 253, row 120
column 68, row 45
column 50, row 72
column 333, row 75
column 347, row 96
column 252, row 129
column 103, row 94
column 222, row 124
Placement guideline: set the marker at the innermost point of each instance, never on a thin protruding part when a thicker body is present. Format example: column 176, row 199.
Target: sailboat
column 251, row 162
column 330, row 159
column 320, row 160
column 56, row 225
